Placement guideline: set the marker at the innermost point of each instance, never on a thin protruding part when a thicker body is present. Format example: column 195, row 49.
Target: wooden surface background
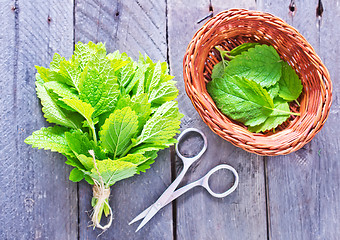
column 288, row 197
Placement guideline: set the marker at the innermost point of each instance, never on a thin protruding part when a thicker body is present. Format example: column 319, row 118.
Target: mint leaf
column 118, row 130
column 61, row 89
column 241, row 99
column 53, row 113
column 137, row 159
column 86, row 161
column 85, row 109
column 51, row 138
column 146, row 165
column 261, row 64
column 142, row 148
column 55, row 64
column 151, row 156
column 273, row 90
column 290, row 84
column 166, row 91
column 70, row 70
column 275, row 119
column 162, row 126
column 126, row 74
column 112, row 171
column 74, row 162
column 80, row 143
column 155, row 78
column 58, row 90
column 242, row 48
column 138, row 80
column 99, row 89
column 139, row 104
column 86, row 52
column 76, row 175
column 219, row 69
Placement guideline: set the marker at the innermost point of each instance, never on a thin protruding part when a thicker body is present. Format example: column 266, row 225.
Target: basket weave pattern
column 231, row 28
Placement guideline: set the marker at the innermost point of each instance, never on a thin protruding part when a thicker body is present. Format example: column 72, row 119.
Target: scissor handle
column 205, row 180
column 190, row 160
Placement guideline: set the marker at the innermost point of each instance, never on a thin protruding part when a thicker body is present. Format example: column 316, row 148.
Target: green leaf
column 142, row 148
column 80, row 143
column 85, row 109
column 261, row 64
column 138, row 80
column 99, row 89
column 113, row 171
column 87, row 52
column 137, row 159
column 162, row 126
column 53, row 113
column 146, row 165
column 86, row 161
column 89, row 179
column 118, row 130
column 76, row 175
column 51, row 138
column 219, row 69
column 275, row 119
column 126, row 74
column 61, row 89
column 166, row 91
column 74, row 162
column 51, row 75
column 241, row 99
column 155, row 79
column 58, row 90
column 55, row 64
column 242, row 48
column 151, row 156
column 71, row 71
column 273, row 90
column 139, row 104
column 290, row 83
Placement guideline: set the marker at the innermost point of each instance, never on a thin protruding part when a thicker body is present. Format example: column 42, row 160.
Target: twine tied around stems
column 101, row 193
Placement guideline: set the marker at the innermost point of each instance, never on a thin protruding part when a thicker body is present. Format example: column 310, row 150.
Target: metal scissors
column 170, row 194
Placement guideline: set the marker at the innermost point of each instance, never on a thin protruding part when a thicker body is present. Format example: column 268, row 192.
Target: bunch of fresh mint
column 254, row 86
column 112, row 114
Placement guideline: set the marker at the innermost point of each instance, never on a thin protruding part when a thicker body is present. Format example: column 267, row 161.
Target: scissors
column 170, row 194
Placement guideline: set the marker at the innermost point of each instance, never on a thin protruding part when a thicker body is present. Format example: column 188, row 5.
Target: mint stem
column 296, row 101
column 94, row 135
column 290, row 113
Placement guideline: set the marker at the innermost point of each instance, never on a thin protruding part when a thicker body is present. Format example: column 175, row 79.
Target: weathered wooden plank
column 37, row 199
column 129, row 26
column 242, row 215
column 303, row 186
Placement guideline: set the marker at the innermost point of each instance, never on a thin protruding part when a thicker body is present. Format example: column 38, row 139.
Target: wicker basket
column 231, row 28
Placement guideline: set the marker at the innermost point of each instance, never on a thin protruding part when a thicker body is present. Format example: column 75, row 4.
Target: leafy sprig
column 112, row 114
column 254, row 86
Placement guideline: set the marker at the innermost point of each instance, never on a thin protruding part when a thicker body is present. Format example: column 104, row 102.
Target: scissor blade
column 141, row 215
column 149, row 215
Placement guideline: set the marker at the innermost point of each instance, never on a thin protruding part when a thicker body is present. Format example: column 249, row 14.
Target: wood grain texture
column 129, row 26
column 241, row 215
column 303, row 186
column 36, row 196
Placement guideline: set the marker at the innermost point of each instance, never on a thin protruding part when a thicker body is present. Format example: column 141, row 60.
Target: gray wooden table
column 287, row 197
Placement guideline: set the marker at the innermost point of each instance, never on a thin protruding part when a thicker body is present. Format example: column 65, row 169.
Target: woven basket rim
column 302, row 129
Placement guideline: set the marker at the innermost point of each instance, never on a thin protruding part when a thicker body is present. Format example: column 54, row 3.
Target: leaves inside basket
column 255, row 87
